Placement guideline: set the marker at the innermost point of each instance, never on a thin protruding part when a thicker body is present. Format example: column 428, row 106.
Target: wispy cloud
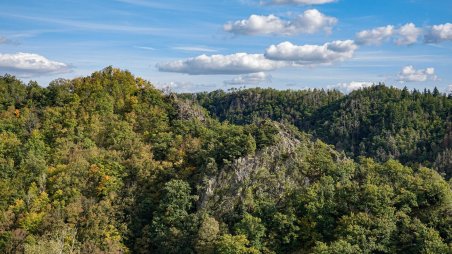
column 92, row 26
column 195, row 49
column 296, row 2
column 373, row 56
column 144, row 48
column 151, row 4
column 173, row 6
column 4, row 40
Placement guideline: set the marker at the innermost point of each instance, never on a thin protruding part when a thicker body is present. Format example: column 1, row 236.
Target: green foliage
column 208, row 234
column 109, row 164
column 172, row 226
column 379, row 122
column 237, row 244
column 337, row 247
column 253, row 228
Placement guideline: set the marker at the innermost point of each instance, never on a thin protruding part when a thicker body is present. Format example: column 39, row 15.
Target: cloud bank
column 407, row 34
column 276, row 56
column 239, row 63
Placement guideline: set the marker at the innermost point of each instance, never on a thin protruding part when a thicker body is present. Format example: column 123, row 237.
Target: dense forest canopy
column 379, row 122
column 109, row 164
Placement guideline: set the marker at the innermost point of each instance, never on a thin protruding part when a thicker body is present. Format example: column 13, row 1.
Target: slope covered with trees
column 109, row 164
column 378, row 122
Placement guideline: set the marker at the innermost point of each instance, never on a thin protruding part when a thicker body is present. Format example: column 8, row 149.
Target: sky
column 204, row 45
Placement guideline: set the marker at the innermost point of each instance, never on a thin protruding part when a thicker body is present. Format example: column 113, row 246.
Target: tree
column 208, row 234
column 252, row 228
column 238, row 244
column 172, row 226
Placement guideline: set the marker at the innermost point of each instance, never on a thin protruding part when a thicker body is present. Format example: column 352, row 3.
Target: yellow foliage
column 18, row 206
column 31, row 221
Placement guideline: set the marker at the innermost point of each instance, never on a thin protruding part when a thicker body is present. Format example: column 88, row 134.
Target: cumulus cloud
column 405, row 35
column 410, row 74
column 252, row 78
column 29, row 65
column 352, row 86
column 408, row 34
column 309, row 22
column 439, row 33
column 239, row 63
column 375, row 36
column 308, row 55
column 299, row 2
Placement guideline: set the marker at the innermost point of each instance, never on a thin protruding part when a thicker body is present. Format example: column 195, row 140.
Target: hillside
column 109, row 164
column 378, row 122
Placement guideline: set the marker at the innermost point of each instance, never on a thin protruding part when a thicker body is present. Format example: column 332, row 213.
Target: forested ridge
column 379, row 122
column 109, row 164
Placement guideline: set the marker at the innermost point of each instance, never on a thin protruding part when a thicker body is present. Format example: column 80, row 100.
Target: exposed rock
column 271, row 173
column 187, row 110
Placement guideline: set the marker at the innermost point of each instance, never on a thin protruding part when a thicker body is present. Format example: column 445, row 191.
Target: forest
column 108, row 163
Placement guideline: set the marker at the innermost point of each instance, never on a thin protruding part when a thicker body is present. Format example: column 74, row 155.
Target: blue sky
column 204, row 45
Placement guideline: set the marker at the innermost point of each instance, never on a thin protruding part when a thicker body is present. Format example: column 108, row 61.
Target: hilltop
column 109, row 164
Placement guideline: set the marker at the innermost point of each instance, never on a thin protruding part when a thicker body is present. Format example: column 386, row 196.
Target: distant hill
column 379, row 122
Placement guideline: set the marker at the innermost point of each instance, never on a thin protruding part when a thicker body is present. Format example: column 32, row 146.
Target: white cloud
column 405, row 35
column 252, row 78
column 408, row 34
column 309, row 22
column 276, row 56
column 300, row 2
column 352, row 86
column 375, row 36
column 410, row 74
column 308, row 55
column 239, row 63
column 439, row 33
column 29, row 65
